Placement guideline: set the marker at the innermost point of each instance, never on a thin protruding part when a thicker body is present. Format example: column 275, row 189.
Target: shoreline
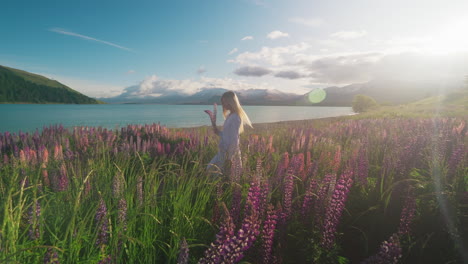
column 273, row 125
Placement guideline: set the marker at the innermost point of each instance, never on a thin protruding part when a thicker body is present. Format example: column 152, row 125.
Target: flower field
column 389, row 190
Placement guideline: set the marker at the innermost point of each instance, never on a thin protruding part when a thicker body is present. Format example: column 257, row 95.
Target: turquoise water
column 28, row 117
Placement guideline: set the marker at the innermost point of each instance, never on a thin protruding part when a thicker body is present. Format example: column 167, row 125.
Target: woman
column 228, row 149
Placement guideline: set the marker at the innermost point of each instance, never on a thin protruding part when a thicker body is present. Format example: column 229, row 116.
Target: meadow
column 337, row 190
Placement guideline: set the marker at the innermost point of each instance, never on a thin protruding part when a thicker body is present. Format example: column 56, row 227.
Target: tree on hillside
column 362, row 103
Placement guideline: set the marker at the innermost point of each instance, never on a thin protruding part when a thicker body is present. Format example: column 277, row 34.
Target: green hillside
column 454, row 104
column 17, row 86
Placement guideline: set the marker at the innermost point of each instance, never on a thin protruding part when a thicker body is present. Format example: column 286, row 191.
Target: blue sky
column 102, row 47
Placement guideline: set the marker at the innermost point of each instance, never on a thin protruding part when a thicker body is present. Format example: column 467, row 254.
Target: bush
column 362, row 103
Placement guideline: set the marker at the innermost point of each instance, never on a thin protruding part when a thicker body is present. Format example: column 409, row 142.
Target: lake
column 29, row 117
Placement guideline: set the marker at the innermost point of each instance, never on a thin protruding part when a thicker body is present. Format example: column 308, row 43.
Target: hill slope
column 17, row 86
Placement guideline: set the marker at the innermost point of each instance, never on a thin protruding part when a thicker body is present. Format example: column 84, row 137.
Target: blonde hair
column 230, row 99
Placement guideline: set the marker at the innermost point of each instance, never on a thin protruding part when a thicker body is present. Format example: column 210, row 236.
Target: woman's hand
column 213, row 117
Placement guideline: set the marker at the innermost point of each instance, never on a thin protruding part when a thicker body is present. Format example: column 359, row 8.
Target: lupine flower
column 236, row 203
column 33, row 220
column 139, row 190
column 322, row 197
column 454, row 160
column 226, row 231
column 45, row 176
column 230, row 248
column 407, row 215
column 287, row 198
column 337, row 160
column 117, row 185
column 268, row 233
column 309, row 198
column 283, row 165
column 363, row 167
column 389, row 253
column 235, row 247
column 335, row 209
column 51, row 256
column 183, row 252
column 102, row 223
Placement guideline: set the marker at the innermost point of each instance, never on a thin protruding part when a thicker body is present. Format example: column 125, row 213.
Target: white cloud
column 247, row 38
column 69, row 33
column 310, row 22
column 130, row 72
column 277, row 34
column 274, row 56
column 234, row 50
column 156, row 87
column 345, row 35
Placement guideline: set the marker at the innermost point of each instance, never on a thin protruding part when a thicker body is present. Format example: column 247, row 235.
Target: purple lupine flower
column 309, row 198
column 33, row 220
column 268, row 233
column 337, row 160
column 389, row 253
column 226, row 231
column 236, row 203
column 454, row 160
column 335, row 209
column 322, row 197
column 117, row 185
column 122, row 214
column 102, row 223
column 363, row 167
column 183, row 253
column 235, row 247
column 283, row 165
column 287, row 198
column 407, row 215
column 63, row 179
column 51, row 256
column 230, row 248
column 139, row 190
column 216, row 208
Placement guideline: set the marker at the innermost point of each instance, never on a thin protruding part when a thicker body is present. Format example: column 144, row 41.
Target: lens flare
column 317, row 96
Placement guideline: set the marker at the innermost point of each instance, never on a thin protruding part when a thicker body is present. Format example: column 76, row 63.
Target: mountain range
column 383, row 91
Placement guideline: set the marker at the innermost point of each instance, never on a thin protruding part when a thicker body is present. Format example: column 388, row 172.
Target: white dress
column 228, row 148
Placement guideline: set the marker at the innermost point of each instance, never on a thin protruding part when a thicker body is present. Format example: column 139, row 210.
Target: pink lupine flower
column 45, row 176
column 22, row 157
column 58, row 153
